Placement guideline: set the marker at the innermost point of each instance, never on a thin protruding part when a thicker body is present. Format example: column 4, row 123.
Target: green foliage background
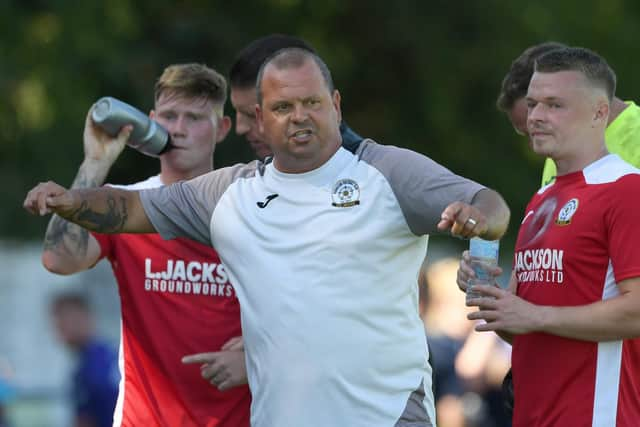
column 419, row 74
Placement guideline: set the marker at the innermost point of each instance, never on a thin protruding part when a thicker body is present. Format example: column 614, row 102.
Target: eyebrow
column 280, row 101
column 546, row 98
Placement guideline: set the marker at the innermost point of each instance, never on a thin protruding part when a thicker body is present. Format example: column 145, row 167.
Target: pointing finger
column 199, row 358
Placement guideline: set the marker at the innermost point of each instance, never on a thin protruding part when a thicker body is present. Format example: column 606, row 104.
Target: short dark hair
column 516, row 81
column 593, row 66
column 293, row 58
column 246, row 65
column 193, row 81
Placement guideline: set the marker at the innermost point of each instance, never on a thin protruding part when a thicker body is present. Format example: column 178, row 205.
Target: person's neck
column 617, row 107
column 578, row 163
column 168, row 176
column 295, row 166
column 288, row 164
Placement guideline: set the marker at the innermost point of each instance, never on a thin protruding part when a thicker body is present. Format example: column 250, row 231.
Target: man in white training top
column 323, row 246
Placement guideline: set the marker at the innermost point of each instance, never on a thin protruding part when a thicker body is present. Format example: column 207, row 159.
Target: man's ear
column 224, row 126
column 602, row 112
column 336, row 104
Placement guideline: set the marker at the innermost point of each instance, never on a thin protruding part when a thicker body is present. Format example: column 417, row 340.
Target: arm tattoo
column 64, row 236
column 111, row 221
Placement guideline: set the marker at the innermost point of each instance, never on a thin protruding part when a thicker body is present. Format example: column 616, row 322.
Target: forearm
column 107, row 210
column 66, row 239
column 511, row 287
column 493, row 206
column 613, row 319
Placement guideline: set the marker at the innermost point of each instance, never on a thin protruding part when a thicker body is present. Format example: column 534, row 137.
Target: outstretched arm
column 104, row 209
column 495, row 210
column 487, row 216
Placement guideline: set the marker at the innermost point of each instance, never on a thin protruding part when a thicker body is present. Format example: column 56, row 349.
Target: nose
column 299, row 113
column 177, row 127
column 535, row 113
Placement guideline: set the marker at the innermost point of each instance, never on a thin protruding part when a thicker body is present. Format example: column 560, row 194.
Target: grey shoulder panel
column 422, row 187
column 184, row 209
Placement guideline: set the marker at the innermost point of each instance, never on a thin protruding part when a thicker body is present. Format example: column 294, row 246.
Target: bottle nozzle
column 168, row 146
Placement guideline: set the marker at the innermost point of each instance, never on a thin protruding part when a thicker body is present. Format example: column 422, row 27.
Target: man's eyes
column 174, row 116
column 281, row 107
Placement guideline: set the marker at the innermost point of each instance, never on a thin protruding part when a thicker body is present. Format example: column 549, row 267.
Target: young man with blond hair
column 176, row 297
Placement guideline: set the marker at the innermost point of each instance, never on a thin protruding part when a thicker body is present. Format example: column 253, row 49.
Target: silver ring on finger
column 471, row 221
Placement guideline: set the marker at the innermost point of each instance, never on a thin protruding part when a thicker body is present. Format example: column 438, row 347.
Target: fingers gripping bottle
column 484, row 257
column 147, row 136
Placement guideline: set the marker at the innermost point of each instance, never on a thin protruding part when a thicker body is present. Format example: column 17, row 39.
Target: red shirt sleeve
column 106, row 244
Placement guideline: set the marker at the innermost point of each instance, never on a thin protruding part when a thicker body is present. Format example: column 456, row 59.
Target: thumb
column 60, row 203
column 234, row 343
column 56, row 200
column 125, row 133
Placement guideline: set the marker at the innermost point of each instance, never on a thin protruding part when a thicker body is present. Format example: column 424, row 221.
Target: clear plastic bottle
column 484, row 256
column 147, row 136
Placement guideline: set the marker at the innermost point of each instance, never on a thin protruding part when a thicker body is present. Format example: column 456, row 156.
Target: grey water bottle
column 147, row 136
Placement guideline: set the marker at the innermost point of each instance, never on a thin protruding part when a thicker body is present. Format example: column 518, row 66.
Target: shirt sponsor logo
column 539, row 265
column 567, row 211
column 192, row 278
column 346, row 193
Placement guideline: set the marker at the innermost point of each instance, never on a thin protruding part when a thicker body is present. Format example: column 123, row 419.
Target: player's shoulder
column 220, row 179
column 391, row 159
column 151, row 182
column 370, row 149
column 611, row 169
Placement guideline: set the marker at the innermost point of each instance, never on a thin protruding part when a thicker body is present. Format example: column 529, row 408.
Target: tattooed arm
column 69, row 248
column 104, row 209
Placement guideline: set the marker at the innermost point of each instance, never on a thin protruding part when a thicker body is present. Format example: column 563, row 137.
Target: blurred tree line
column 418, row 74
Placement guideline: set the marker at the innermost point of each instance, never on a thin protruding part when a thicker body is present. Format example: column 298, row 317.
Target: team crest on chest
column 567, row 211
column 346, row 193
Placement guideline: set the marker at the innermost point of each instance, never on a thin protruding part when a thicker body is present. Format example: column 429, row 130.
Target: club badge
column 567, row 211
column 345, row 193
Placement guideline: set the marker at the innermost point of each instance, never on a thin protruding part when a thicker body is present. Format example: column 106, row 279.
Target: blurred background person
column 95, row 379
column 7, row 390
column 482, row 363
column 468, row 366
column 5, row 393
